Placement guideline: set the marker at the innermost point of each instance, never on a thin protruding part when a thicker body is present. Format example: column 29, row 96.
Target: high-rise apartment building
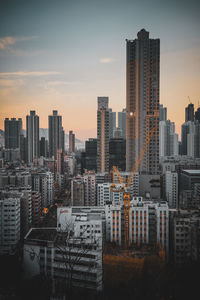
column 163, row 113
column 197, row 114
column 102, row 135
column 122, row 122
column 71, row 141
column 189, row 112
column 60, row 161
column 43, row 182
column 55, row 133
column 142, row 101
column 89, row 179
column 13, row 129
column 32, row 134
column 190, row 139
column 168, row 139
column 63, row 140
column 112, row 123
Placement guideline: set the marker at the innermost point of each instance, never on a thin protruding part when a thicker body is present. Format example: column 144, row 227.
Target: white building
column 84, row 221
column 9, row 225
column 148, row 223
column 50, row 252
column 106, row 196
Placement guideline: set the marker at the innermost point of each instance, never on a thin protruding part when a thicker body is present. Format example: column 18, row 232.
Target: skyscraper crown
column 143, row 34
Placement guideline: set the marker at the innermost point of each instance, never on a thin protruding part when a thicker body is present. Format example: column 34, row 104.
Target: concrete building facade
column 32, row 136
column 102, row 135
column 142, row 101
column 12, row 131
column 55, row 133
column 9, row 225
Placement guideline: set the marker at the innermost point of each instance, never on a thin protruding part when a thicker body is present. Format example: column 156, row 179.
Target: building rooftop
column 192, row 172
column 43, row 234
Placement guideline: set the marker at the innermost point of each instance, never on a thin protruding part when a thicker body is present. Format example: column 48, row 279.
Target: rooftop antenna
column 189, row 100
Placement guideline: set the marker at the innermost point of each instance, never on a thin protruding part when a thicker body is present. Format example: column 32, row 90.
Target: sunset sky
column 62, row 54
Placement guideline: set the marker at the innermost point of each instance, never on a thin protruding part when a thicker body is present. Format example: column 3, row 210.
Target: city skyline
column 55, row 57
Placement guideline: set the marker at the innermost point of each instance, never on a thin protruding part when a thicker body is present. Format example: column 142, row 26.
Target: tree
column 72, row 252
column 70, row 257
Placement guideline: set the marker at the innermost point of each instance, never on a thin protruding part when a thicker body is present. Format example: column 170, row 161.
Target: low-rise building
column 148, row 223
column 62, row 256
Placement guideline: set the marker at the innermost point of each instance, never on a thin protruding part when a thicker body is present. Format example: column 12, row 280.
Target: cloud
column 106, row 60
column 60, row 83
column 25, row 73
column 6, row 44
column 10, row 83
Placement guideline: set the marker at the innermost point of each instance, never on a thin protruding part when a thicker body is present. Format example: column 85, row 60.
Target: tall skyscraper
column 168, row 139
column 112, row 123
column 142, row 101
column 71, row 141
column 163, row 113
column 32, row 134
column 55, row 133
column 63, row 140
column 102, row 135
column 122, row 122
column 13, row 129
column 197, row 114
column 189, row 112
column 190, row 139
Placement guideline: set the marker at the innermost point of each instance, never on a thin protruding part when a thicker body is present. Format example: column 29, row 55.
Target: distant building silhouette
column 55, row 133
column 112, row 123
column 71, row 141
column 32, row 136
column 12, row 129
column 122, row 122
column 189, row 112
